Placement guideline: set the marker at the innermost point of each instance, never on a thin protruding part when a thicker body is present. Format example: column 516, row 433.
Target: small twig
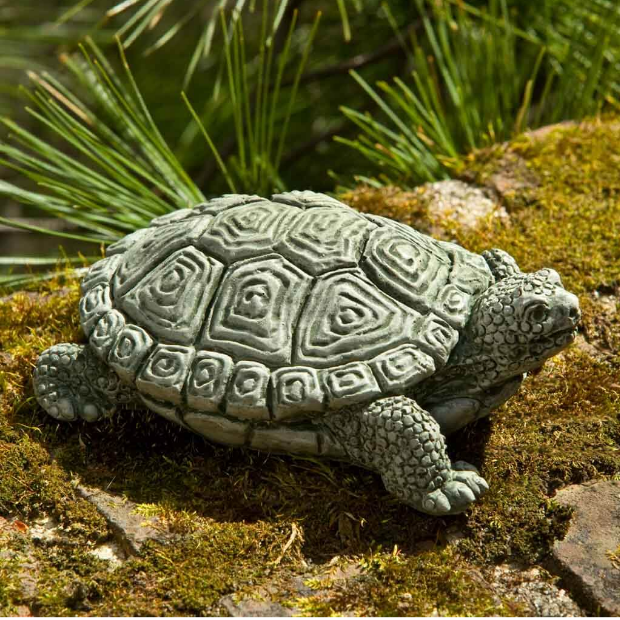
column 359, row 61
column 307, row 146
column 289, row 542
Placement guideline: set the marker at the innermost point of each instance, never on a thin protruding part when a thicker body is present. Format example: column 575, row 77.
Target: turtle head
column 521, row 321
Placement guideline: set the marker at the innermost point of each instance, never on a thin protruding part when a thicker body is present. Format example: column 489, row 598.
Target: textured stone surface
column 598, row 338
column 459, row 202
column 284, row 309
column 583, row 557
column 532, row 588
column 131, row 530
column 252, row 608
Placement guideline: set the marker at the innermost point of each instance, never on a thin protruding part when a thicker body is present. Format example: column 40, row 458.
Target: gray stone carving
column 299, row 325
column 325, row 239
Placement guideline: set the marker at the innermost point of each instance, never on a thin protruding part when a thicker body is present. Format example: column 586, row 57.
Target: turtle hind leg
column 71, row 382
column 400, row 440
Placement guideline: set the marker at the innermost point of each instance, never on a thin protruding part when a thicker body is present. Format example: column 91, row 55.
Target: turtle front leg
column 400, row 440
column 70, row 381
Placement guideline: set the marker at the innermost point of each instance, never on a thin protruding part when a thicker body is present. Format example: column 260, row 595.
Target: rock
column 111, row 552
column 292, row 589
column 27, row 566
column 456, row 202
column 540, row 134
column 511, row 179
column 254, row 608
column 131, row 530
column 583, row 557
column 23, row 611
column 533, row 588
column 46, row 529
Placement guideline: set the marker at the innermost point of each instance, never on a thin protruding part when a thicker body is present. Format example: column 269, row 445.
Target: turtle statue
column 299, row 325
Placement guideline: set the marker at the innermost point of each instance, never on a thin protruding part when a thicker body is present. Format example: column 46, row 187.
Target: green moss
column 233, row 511
column 566, row 214
column 409, row 207
column 432, row 583
column 183, row 578
column 9, row 571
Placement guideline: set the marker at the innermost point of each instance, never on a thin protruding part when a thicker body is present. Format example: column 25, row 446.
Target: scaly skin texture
column 515, row 325
column 468, row 345
column 71, row 382
column 397, row 438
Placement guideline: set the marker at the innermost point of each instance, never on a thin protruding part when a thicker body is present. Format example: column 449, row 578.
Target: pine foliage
column 263, row 95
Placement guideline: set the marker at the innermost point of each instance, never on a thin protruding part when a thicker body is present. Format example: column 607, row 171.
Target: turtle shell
column 246, row 310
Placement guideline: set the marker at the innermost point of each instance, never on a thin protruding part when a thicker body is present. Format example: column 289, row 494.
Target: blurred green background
column 116, row 112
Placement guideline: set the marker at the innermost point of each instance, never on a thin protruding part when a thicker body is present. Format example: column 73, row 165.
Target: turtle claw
column 473, row 480
column 66, row 409
column 62, row 409
column 455, row 496
column 91, row 412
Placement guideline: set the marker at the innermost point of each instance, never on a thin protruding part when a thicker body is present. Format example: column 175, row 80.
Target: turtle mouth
column 559, row 340
column 564, row 337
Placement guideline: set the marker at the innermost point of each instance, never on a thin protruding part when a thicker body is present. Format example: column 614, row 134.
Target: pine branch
column 361, row 60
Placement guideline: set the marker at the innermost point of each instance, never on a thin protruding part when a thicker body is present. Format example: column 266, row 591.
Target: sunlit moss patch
column 240, row 520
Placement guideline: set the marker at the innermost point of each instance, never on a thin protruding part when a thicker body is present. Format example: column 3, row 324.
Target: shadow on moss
column 232, row 511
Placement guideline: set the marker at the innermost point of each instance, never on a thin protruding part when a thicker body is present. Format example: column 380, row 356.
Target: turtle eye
column 536, row 313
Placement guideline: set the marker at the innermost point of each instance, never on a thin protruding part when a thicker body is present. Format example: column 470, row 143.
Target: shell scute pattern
column 401, row 368
column 248, row 311
column 245, row 231
column 222, row 203
column 324, row 239
column 130, row 349
column 296, row 392
column 247, row 392
column 122, row 245
column 470, row 272
column 436, row 338
column 151, row 249
column 175, row 216
column 348, row 318
column 428, row 244
column 405, row 269
column 164, row 373
column 93, row 305
column 106, row 333
column 256, row 310
column 307, row 199
column 428, row 275
column 170, row 301
column 100, row 273
column 206, row 384
column 349, row 384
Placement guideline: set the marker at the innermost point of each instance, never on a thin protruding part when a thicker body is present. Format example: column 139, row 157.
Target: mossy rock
column 242, row 521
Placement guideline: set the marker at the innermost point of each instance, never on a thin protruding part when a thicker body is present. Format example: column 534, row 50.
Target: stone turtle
column 297, row 324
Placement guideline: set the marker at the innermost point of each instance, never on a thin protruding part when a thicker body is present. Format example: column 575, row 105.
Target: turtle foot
column 403, row 442
column 455, row 496
column 460, row 490
column 65, row 381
